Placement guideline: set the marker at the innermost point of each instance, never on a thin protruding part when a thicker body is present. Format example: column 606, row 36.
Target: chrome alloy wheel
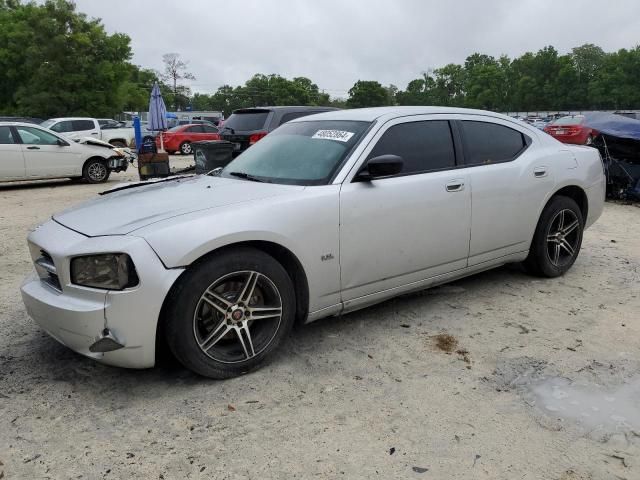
column 563, row 237
column 97, row 171
column 237, row 317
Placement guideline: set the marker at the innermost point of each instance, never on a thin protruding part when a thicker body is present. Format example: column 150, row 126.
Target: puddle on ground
column 592, row 406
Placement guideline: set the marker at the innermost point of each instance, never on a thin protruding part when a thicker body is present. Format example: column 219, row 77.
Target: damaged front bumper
column 113, row 327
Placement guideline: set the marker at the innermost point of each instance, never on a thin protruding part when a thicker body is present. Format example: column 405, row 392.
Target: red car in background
column 571, row 129
column 178, row 139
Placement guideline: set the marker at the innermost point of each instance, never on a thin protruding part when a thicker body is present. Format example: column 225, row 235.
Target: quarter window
column 423, row 146
column 6, row 137
column 491, row 143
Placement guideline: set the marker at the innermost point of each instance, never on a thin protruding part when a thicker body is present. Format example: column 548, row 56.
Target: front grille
column 47, row 271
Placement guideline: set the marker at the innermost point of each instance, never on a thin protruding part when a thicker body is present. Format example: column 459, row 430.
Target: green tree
column 55, row 61
column 367, row 94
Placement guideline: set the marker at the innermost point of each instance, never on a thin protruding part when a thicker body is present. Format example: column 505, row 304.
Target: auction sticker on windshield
column 339, row 135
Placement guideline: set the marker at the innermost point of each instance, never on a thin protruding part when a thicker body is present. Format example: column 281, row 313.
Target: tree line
column 55, row 61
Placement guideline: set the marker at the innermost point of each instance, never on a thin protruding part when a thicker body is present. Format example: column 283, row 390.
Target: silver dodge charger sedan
column 326, row 215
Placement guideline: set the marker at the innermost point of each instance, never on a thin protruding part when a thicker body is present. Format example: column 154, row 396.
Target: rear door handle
column 33, row 148
column 455, row 186
column 540, row 172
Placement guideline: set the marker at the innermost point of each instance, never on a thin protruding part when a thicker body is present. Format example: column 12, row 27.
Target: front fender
column 307, row 226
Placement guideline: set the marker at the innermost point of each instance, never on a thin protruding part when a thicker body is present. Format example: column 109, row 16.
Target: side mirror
column 382, row 166
column 62, row 143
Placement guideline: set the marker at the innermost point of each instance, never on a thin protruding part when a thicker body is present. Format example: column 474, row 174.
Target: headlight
column 111, row 271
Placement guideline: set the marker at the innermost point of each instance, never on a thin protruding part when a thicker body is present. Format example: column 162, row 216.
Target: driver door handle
column 455, row 186
column 33, row 147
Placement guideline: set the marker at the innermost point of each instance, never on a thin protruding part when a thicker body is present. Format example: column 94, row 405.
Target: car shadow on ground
column 50, row 361
column 9, row 186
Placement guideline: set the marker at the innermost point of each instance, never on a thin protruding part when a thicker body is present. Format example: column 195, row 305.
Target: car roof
column 291, row 108
column 20, row 124
column 387, row 113
column 57, row 119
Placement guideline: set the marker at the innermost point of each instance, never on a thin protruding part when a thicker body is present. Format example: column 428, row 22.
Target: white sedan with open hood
column 31, row 152
column 327, row 214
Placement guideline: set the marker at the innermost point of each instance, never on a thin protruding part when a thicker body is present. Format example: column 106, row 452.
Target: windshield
column 299, row 153
column 48, row 123
column 575, row 120
column 247, row 121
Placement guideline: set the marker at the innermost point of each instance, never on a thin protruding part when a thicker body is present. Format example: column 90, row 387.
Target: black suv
column 246, row 126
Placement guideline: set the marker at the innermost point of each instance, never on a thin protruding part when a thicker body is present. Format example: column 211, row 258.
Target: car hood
column 124, row 210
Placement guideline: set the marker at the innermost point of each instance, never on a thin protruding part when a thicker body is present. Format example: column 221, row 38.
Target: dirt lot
column 498, row 376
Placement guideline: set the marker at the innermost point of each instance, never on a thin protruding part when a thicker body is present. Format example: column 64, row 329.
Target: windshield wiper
column 246, row 176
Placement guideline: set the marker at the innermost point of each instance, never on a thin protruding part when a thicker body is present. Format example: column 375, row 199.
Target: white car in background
column 80, row 127
column 327, row 214
column 30, row 152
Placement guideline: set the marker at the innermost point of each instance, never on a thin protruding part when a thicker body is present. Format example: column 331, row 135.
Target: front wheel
column 228, row 314
column 185, row 148
column 557, row 239
column 95, row 171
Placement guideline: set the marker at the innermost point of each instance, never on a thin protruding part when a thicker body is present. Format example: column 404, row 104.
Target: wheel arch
column 281, row 254
column 93, row 157
column 577, row 194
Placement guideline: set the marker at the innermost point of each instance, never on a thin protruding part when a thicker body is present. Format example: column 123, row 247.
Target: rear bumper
column 76, row 316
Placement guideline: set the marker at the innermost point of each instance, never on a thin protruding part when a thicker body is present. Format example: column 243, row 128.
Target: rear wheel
column 185, row 148
column 557, row 239
column 95, row 171
column 229, row 313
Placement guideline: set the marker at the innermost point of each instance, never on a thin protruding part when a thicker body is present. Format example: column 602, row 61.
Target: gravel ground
column 446, row 383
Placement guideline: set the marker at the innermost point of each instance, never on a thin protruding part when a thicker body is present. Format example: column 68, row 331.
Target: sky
column 337, row 42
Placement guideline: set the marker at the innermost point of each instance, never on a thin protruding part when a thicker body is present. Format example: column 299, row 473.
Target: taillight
column 254, row 138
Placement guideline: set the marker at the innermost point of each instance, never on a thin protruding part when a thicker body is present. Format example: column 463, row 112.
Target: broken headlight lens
column 110, row 271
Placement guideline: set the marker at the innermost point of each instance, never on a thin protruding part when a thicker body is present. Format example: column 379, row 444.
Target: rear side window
column 63, row 127
column 491, row 143
column 80, row 125
column 247, row 121
column 209, row 129
column 6, row 137
column 423, row 146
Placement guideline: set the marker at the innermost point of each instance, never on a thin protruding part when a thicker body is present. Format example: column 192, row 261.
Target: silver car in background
column 327, row 214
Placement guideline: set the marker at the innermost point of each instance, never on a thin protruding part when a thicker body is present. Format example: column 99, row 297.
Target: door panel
column 506, row 201
column 44, row 157
column 400, row 230
column 11, row 159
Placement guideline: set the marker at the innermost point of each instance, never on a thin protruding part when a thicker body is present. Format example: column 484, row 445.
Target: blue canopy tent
column 157, row 113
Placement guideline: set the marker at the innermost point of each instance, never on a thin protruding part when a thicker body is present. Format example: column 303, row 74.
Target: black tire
column 589, row 140
column 95, row 171
column 191, row 321
column 118, row 144
column 185, row 148
column 552, row 252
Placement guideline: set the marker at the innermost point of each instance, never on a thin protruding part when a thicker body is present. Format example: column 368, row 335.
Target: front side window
column 299, row 153
column 6, row 136
column 424, row 146
column 81, row 125
column 194, row 129
column 487, row 142
column 35, row 136
column 62, row 127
